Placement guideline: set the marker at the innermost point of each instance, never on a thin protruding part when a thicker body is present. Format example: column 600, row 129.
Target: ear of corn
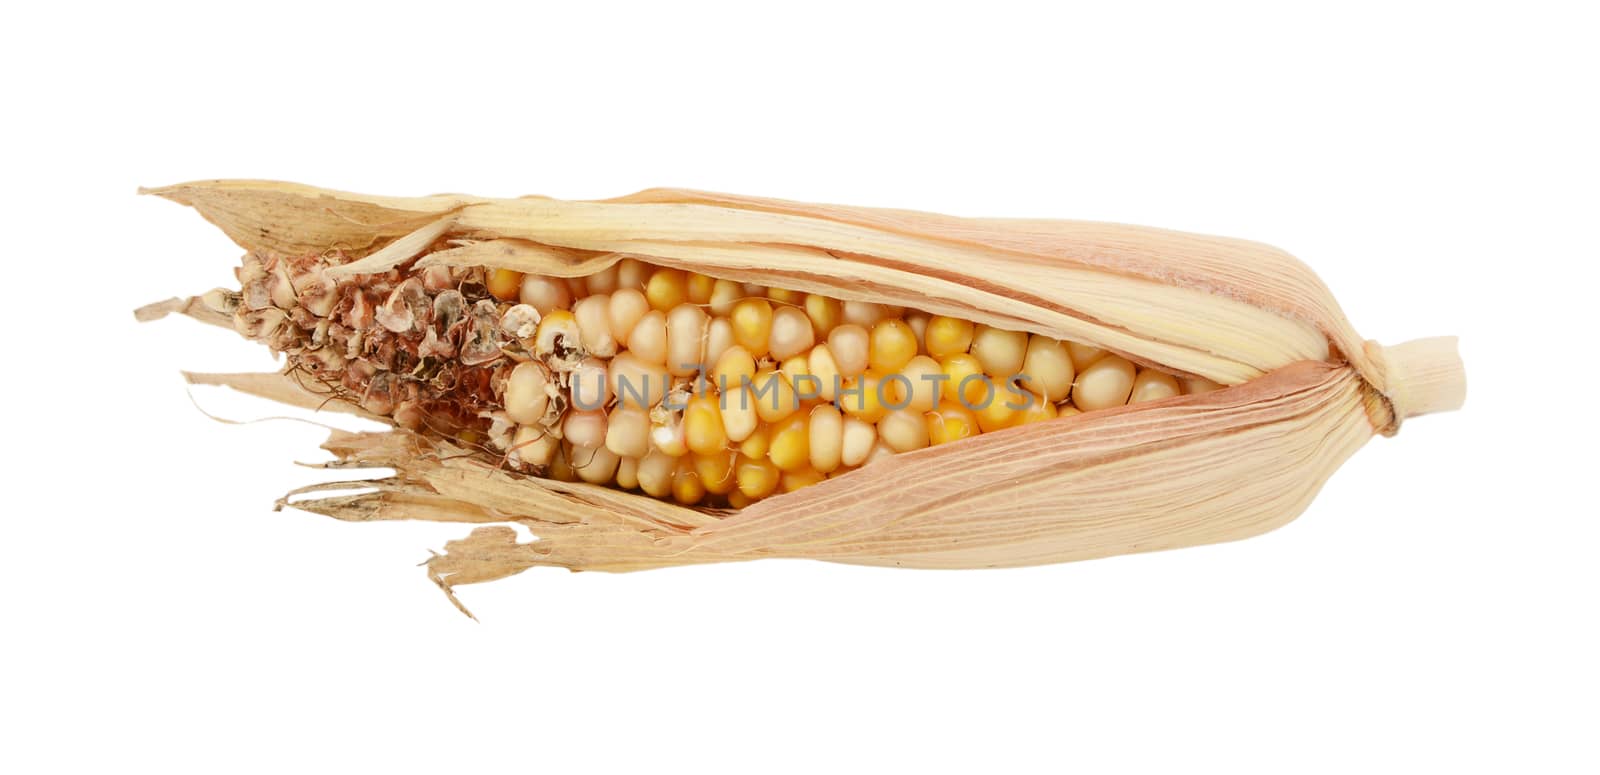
column 1093, row 315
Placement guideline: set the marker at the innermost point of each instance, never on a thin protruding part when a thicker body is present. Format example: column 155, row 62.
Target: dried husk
column 1306, row 391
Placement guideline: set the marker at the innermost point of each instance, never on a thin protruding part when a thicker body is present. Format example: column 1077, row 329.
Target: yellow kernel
column 1104, row 384
column 560, row 468
column 716, row 471
column 919, row 385
column 820, row 364
column 1083, row 355
column 1047, row 368
column 803, row 477
column 557, row 333
column 734, row 368
column 757, row 476
column 918, row 323
column 1000, row 351
column 1038, row 411
column 774, row 396
column 950, row 422
column 1152, row 385
column 738, row 500
column 1067, row 410
column 699, row 288
column 903, row 430
column 790, row 448
column 755, row 445
column 686, row 485
column 505, row 284
column 826, row 431
column 719, row 337
column 967, row 381
column 824, row 313
column 628, row 473
column 544, row 293
column 1195, row 385
column 724, row 294
column 752, row 325
column 861, row 397
column 785, row 296
column 893, row 345
column 948, row 336
column 791, row 333
column 851, row 345
column 702, row 425
column 656, row 473
column 997, row 413
column 667, row 288
column 739, row 418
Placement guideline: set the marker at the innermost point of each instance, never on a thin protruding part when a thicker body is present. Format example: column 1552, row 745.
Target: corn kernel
column 1104, row 384
column 862, row 397
column 1047, row 368
column 825, row 313
column 791, row 333
column 1000, row 351
column 504, row 284
column 667, row 288
column 826, row 437
column 950, row 422
column 702, row 425
column 904, row 430
column 947, row 336
column 699, row 288
column 851, row 346
column 1152, row 385
column 757, row 476
column 790, row 448
column 716, row 471
column 752, row 325
column 800, row 478
column 893, row 346
column 544, row 293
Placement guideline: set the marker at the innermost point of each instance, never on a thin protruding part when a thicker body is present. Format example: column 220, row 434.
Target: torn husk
column 1304, row 390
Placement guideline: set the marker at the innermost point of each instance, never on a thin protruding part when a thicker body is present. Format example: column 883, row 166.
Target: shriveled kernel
column 667, row 288
column 851, row 346
column 628, row 432
column 858, row 439
column 628, row 473
column 922, row 386
column 702, row 425
column 595, row 465
column 603, row 281
column 752, row 325
column 593, row 314
column 950, row 421
column 724, row 294
column 826, row 431
column 774, row 396
column 655, row 473
column 1152, row 385
column 790, row 448
column 585, row 429
column 1000, row 351
column 791, row 333
column 757, row 476
column 1047, row 368
column 648, row 339
column 757, row 443
column 699, row 288
column 862, row 313
column 686, row 339
column 1083, row 355
column 668, row 436
column 862, row 397
column 557, row 333
column 632, row 274
column 637, row 383
column 590, row 385
column 739, row 418
column 1104, row 384
column 1195, row 385
column 686, row 485
column 716, row 471
column 799, row 478
column 967, row 382
column 627, row 306
column 904, row 430
column 893, row 345
column 825, row 313
column 544, row 293
column 504, row 284
column 947, row 336
column 820, row 363
column 525, row 393
column 532, row 445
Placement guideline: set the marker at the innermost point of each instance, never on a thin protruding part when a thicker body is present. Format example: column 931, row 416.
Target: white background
column 1434, row 610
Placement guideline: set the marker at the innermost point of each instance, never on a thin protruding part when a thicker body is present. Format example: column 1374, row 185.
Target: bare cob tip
column 1423, row 376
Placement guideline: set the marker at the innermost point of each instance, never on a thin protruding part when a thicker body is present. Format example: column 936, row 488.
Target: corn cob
column 677, row 377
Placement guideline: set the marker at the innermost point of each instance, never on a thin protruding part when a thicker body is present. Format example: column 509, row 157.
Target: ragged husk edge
column 1268, row 312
